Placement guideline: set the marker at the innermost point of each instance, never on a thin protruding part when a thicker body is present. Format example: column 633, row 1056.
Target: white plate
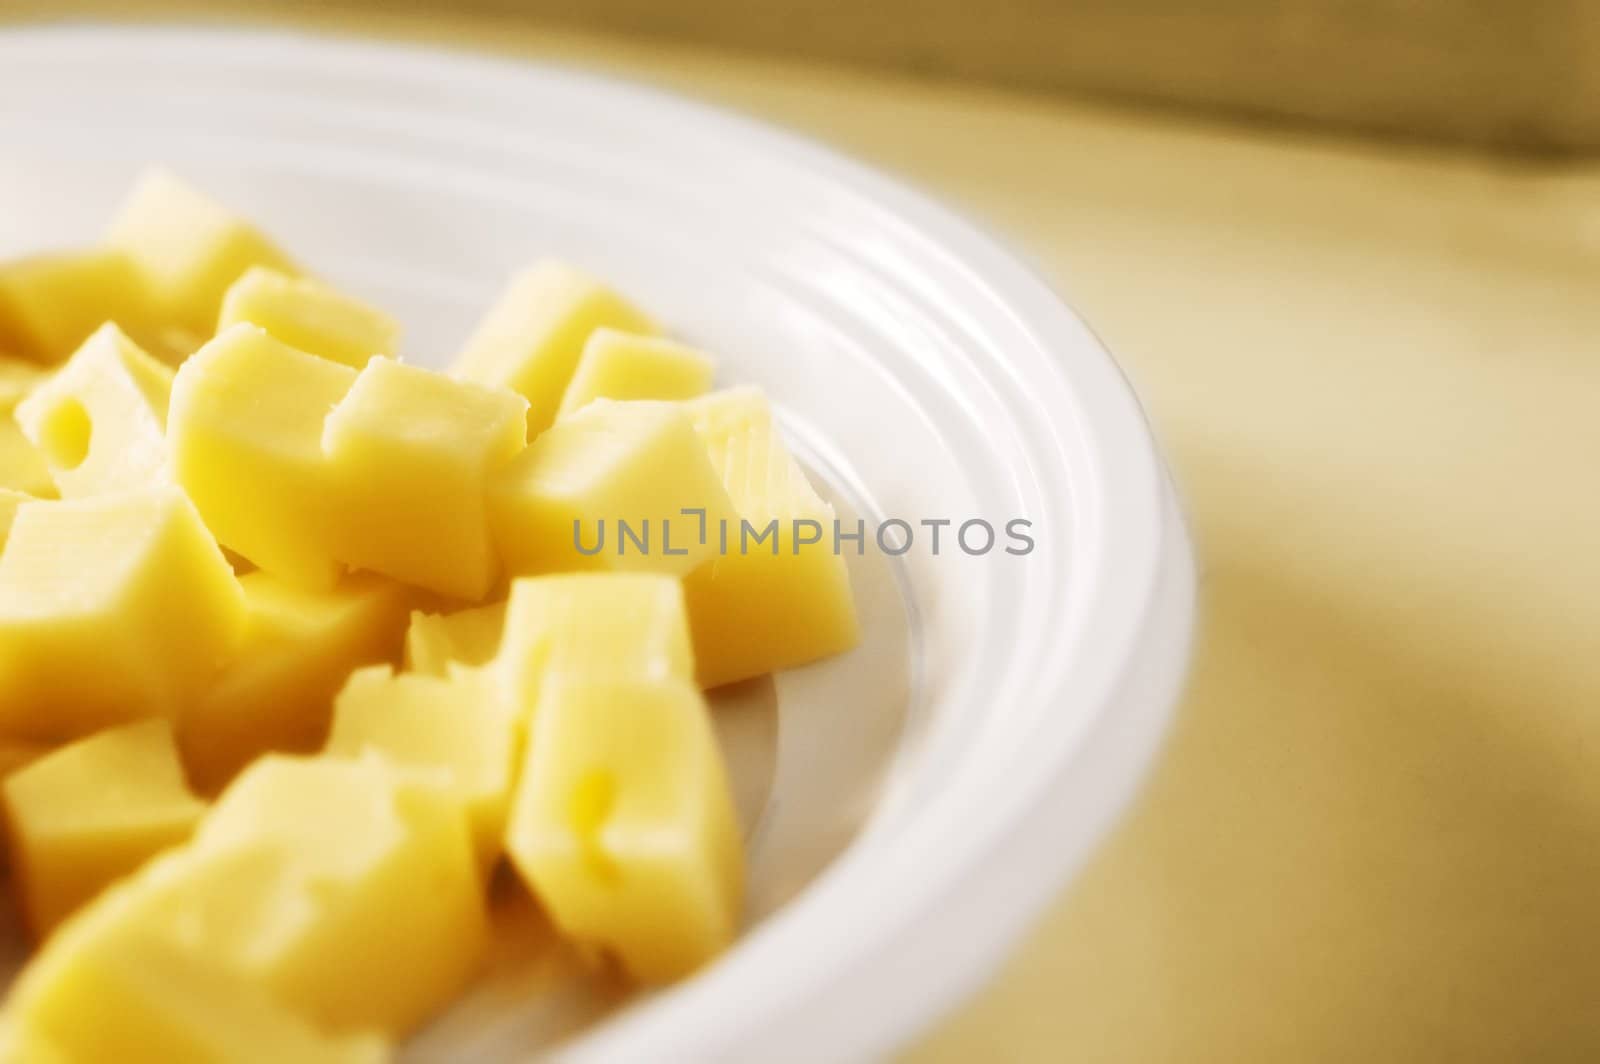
column 912, row 805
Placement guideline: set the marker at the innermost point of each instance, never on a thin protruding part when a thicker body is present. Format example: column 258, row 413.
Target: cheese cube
column 276, row 694
column 92, row 812
column 623, row 365
column 531, row 339
column 49, row 304
column 122, row 982
column 588, row 626
column 623, row 824
column 777, row 602
column 17, row 379
column 411, row 451
column 111, row 609
column 22, row 467
column 608, row 488
column 365, row 910
column 309, row 315
column 467, row 638
column 187, row 249
column 245, row 434
column 101, row 420
column 462, row 727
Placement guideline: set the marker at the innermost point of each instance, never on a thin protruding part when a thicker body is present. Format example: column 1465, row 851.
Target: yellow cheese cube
column 22, row 467
column 411, row 451
column 123, row 982
column 588, row 626
column 277, row 692
column 17, row 379
column 309, row 315
column 101, row 420
column 623, row 365
column 608, row 487
column 531, row 339
column 769, row 600
column 623, row 824
column 188, row 249
column 245, row 433
column 92, row 812
column 111, row 609
column 467, row 638
column 366, row 911
column 461, row 726
column 49, row 304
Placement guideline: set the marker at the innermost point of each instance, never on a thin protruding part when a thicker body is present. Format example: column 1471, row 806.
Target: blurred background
column 1517, row 75
column 1348, row 251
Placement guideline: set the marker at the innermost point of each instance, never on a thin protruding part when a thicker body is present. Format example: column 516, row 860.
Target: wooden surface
column 1375, row 834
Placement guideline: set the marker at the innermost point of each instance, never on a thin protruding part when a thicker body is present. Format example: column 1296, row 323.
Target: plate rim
column 1146, row 571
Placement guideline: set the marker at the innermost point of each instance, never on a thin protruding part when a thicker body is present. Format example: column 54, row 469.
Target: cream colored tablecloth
column 1375, row 834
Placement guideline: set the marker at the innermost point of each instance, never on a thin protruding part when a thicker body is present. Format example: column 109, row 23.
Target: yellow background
column 1375, row 833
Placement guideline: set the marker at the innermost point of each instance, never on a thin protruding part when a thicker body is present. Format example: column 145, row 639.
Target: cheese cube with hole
column 129, row 981
column 309, row 315
column 112, row 608
column 624, row 365
column 412, row 451
column 22, row 467
column 245, row 433
column 617, row 485
column 188, row 249
column 101, row 421
column 17, row 379
column 461, row 726
column 365, row 910
column 276, row 694
column 623, row 824
column 531, row 339
column 779, row 596
column 587, row 626
column 90, row 813
column 466, row 639
column 50, row 304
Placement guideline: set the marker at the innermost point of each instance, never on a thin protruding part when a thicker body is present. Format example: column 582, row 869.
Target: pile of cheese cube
column 298, row 645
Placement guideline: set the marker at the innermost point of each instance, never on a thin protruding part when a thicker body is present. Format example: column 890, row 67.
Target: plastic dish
column 911, row 806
